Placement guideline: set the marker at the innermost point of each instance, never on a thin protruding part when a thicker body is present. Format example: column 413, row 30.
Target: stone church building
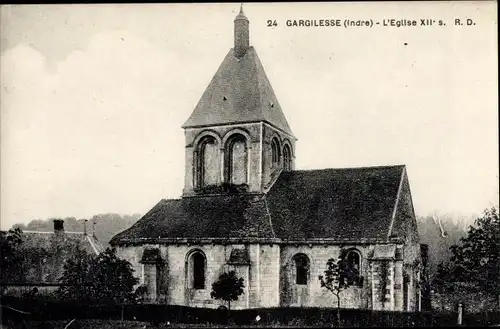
column 245, row 207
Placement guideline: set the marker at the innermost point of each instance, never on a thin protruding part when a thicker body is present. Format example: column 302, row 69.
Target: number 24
column 271, row 23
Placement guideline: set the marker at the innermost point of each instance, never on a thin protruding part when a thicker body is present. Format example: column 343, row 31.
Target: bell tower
column 237, row 137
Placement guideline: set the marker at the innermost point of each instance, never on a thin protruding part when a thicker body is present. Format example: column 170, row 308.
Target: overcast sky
column 93, row 98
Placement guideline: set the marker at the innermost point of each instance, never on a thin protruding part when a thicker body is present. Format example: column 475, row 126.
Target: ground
column 116, row 324
column 111, row 324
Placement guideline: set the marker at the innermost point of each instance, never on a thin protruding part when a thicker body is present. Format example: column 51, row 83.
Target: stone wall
column 399, row 303
column 242, row 271
column 405, row 225
column 269, row 273
column 261, row 276
column 260, row 169
column 270, row 277
column 252, row 131
column 312, row 294
column 176, row 276
column 383, row 275
column 270, row 173
column 133, row 254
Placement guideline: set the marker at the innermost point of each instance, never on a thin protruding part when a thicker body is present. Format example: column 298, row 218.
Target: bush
column 140, row 294
column 103, row 279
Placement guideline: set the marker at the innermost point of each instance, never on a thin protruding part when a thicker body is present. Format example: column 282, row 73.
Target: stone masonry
column 269, row 278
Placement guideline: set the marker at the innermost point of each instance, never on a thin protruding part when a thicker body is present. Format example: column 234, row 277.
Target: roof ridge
column 89, row 239
column 52, row 232
column 259, row 83
column 269, row 216
column 258, row 63
column 396, row 203
column 349, row 168
column 218, row 195
column 170, row 200
column 274, row 178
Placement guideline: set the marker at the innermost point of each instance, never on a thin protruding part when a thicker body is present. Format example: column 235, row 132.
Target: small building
column 245, row 207
column 44, row 255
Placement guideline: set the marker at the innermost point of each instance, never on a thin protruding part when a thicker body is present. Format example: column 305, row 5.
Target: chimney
column 241, row 34
column 85, row 227
column 58, row 226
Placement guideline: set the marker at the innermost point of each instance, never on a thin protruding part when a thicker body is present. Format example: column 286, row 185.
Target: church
column 244, row 207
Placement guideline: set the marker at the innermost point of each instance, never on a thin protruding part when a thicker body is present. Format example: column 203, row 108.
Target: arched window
column 301, row 268
column 353, row 268
column 197, row 265
column 353, row 260
column 236, row 160
column 208, row 163
column 287, row 158
column 275, row 153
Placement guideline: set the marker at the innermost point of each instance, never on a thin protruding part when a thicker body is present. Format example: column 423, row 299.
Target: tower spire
column 241, row 34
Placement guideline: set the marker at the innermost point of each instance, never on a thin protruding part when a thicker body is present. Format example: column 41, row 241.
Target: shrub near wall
column 472, row 301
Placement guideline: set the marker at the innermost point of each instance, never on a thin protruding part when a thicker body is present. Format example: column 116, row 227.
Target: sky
column 93, row 98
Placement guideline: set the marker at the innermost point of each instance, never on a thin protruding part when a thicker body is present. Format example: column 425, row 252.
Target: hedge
column 155, row 313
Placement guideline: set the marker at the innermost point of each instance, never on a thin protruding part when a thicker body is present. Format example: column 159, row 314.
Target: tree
column 475, row 261
column 339, row 276
column 228, row 288
column 11, row 268
column 113, row 279
column 75, row 281
column 140, row 293
column 104, row 279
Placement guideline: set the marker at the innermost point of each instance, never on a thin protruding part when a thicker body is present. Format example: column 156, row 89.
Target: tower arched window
column 301, row 269
column 196, row 270
column 275, row 153
column 287, row 158
column 236, row 160
column 208, row 163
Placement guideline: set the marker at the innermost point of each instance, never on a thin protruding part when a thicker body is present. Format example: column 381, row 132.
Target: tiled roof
column 341, row 204
column 42, row 239
column 47, row 252
column 219, row 216
column 239, row 92
column 355, row 204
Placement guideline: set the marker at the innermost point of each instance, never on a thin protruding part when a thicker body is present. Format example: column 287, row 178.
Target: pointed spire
column 241, row 14
column 241, row 34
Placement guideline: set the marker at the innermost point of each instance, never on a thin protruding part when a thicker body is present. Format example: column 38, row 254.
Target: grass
column 115, row 324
